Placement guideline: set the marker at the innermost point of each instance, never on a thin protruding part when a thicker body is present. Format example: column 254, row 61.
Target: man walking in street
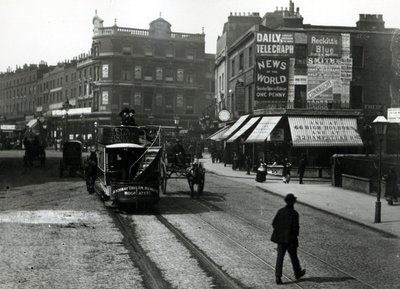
column 285, row 233
column 302, row 168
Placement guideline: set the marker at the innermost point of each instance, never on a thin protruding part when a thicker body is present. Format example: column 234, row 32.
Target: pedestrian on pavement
column 285, row 234
column 392, row 191
column 302, row 168
column 287, row 166
column 261, row 174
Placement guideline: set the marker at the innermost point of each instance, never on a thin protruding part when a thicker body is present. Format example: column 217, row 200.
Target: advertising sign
column 393, row 114
column 324, row 45
column 275, row 44
column 272, row 78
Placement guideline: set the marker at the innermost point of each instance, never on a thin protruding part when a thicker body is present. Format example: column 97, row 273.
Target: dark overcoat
column 286, row 226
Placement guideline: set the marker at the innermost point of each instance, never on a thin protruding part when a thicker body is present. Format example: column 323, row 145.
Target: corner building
column 165, row 76
column 313, row 89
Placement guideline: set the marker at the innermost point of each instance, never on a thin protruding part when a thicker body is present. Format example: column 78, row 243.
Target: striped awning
column 235, row 126
column 244, row 128
column 263, row 129
column 324, row 132
column 217, row 135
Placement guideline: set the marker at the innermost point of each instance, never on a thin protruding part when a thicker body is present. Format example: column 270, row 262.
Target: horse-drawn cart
column 180, row 165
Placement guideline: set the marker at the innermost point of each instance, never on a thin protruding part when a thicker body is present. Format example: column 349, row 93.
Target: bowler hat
column 290, row 199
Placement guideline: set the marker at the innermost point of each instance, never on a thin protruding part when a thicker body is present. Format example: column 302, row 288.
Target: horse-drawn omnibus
column 130, row 168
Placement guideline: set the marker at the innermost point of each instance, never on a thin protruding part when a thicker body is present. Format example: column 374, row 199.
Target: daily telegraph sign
column 275, row 44
column 272, row 78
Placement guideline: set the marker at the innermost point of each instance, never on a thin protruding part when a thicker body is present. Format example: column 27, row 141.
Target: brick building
column 321, row 85
column 165, row 76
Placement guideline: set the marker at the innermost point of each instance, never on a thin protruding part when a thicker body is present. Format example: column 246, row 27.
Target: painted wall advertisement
column 275, row 44
column 322, row 45
column 272, row 78
column 329, row 67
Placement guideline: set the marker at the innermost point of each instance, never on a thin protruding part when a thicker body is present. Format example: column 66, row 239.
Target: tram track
column 214, row 207
column 154, row 278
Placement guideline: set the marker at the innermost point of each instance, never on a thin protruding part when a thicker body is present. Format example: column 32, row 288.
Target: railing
column 145, row 33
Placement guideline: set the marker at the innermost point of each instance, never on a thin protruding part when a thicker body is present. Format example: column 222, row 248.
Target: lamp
column 380, row 125
column 176, row 122
column 95, row 134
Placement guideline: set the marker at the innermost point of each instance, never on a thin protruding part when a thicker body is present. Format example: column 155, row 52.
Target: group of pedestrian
column 286, row 170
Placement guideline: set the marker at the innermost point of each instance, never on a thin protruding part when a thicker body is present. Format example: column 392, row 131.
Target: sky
column 58, row 30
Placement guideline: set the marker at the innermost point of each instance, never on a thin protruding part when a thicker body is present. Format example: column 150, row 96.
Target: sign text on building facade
column 272, row 78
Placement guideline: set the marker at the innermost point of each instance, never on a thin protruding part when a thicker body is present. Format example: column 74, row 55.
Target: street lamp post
column 380, row 125
column 176, row 122
column 95, row 132
column 66, row 108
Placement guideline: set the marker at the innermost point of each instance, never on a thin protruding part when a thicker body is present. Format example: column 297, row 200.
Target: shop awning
column 324, row 132
column 263, row 129
column 217, row 135
column 235, row 126
column 243, row 129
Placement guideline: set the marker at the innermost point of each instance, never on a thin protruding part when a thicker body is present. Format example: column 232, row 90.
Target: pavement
column 354, row 206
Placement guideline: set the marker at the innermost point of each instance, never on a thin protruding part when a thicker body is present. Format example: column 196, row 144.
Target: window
column 356, row 93
column 169, row 52
column 126, row 73
column 190, row 77
column 159, row 73
column 300, row 96
column 104, row 71
column 126, row 50
column 189, row 105
column 138, row 72
column 159, row 99
column 169, row 75
column 190, row 53
column 357, row 53
column 148, row 100
column 148, row 74
column 233, row 67
column 179, row 100
column 250, row 56
column 169, row 103
column 148, row 51
column 179, row 75
column 241, row 61
column 300, row 52
column 137, row 100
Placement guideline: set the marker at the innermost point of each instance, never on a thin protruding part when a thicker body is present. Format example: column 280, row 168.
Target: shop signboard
column 324, row 45
column 275, row 44
column 272, row 78
column 393, row 114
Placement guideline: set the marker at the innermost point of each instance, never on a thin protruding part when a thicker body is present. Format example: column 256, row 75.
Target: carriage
column 72, row 158
column 130, row 168
column 132, row 165
column 180, row 164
